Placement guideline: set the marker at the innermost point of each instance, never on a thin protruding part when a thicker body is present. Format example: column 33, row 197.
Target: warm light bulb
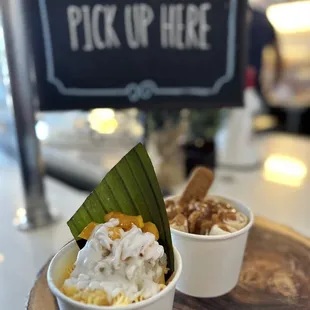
column 103, row 121
column 290, row 17
column 284, row 170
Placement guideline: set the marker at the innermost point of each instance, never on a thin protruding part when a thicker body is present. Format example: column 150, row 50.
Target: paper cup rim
column 207, row 238
column 57, row 293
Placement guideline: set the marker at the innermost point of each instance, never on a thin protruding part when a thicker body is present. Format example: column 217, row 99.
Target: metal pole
column 36, row 212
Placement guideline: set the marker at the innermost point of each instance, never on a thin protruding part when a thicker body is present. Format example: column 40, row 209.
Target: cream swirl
column 238, row 223
column 129, row 265
column 216, row 230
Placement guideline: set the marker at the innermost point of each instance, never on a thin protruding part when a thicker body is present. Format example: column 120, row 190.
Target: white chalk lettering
column 179, row 27
column 74, row 16
column 138, row 17
column 204, row 27
column 192, row 19
column 147, row 16
column 97, row 23
column 88, row 46
column 97, row 11
column 163, row 26
column 110, row 34
column 184, row 27
column 167, row 25
column 131, row 32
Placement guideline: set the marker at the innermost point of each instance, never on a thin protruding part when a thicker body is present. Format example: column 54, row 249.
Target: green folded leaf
column 130, row 187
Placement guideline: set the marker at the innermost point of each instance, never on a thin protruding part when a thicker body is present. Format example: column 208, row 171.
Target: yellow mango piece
column 87, row 231
column 69, row 290
column 125, row 221
column 114, row 232
column 162, row 279
column 151, row 227
column 112, row 215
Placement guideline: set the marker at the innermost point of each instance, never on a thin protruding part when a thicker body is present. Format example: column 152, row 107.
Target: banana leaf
column 130, row 187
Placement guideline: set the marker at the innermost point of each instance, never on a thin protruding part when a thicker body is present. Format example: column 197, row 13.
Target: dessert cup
column 211, row 264
column 66, row 258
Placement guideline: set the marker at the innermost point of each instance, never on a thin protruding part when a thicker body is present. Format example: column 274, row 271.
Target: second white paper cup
column 211, row 264
column 67, row 256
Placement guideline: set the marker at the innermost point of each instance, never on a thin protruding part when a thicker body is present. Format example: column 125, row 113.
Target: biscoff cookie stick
column 198, row 185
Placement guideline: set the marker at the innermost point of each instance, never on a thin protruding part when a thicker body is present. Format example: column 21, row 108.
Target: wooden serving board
column 275, row 275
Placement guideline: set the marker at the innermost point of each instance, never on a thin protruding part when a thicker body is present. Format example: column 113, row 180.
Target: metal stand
column 36, row 212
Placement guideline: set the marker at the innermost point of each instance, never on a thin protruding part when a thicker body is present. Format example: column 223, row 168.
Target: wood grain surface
column 275, row 275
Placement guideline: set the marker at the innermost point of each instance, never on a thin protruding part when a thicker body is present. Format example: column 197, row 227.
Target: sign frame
column 137, row 93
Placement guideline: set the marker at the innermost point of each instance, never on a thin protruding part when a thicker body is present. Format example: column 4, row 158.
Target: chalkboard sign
column 147, row 54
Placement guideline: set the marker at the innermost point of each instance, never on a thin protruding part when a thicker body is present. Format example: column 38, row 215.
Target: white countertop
column 23, row 254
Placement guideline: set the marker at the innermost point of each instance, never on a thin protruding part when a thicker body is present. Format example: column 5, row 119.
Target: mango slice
column 125, row 221
column 111, row 215
column 87, row 231
column 114, row 233
column 151, row 227
column 162, row 279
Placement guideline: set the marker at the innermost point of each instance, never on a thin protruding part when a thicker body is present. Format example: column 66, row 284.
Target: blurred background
column 278, row 46
column 261, row 153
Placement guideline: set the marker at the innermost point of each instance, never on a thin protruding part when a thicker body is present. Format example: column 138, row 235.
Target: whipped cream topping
column 209, row 216
column 237, row 224
column 216, row 230
column 131, row 265
column 230, row 225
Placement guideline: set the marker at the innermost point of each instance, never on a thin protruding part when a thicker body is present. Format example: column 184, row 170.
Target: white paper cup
column 67, row 256
column 211, row 264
